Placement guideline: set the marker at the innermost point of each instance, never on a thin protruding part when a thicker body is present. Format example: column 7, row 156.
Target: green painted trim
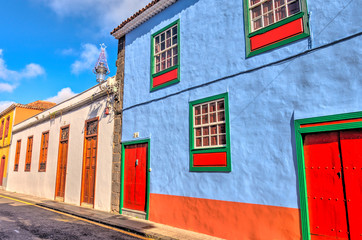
column 148, row 141
column 152, row 74
column 300, row 154
column 248, row 34
column 211, row 150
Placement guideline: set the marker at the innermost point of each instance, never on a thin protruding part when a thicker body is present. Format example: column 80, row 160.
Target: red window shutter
column 7, row 127
column 2, row 129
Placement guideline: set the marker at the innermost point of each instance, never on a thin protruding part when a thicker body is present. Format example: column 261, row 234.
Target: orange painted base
column 229, row 220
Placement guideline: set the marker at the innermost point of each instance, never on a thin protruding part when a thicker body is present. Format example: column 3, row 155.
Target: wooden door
column 89, row 161
column 89, row 171
column 135, row 176
column 62, row 164
column 2, row 167
column 334, row 184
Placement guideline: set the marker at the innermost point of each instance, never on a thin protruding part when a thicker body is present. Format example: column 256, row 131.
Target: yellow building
column 11, row 116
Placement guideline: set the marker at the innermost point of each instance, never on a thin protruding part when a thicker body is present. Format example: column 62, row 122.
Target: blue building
column 242, row 118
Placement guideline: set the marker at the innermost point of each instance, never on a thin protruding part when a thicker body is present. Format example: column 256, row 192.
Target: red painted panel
column 331, row 123
column 210, row 159
column 225, row 219
column 164, row 78
column 351, row 145
column 135, row 166
column 327, row 211
column 277, row 34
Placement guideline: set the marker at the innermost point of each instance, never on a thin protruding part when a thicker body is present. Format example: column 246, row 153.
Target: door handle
column 136, row 163
column 339, row 174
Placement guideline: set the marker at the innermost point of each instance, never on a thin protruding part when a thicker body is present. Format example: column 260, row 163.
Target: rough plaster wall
column 263, row 104
column 42, row 184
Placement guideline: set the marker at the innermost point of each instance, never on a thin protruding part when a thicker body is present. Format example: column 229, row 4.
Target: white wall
column 42, row 184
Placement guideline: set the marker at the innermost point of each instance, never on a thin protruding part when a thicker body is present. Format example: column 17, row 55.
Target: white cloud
column 68, row 52
column 108, row 13
column 4, row 105
column 62, row 95
column 13, row 77
column 6, row 87
column 88, row 58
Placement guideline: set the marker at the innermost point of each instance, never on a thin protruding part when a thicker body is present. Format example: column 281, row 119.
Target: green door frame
column 147, row 173
column 299, row 131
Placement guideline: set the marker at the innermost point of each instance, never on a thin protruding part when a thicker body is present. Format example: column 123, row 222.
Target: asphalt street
column 22, row 220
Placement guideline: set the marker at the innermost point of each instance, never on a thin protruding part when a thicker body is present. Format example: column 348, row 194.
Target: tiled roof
column 37, row 105
column 162, row 5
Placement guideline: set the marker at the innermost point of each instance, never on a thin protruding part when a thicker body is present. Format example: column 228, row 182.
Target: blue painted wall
column 263, row 103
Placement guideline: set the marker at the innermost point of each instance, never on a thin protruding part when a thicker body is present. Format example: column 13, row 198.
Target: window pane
column 214, row 140
column 158, row 67
column 268, row 19
column 257, row 24
column 174, row 39
column 222, row 128
column 198, row 132
column 163, row 56
column 205, row 131
column 205, row 141
column 163, row 65
column 256, row 12
column 169, row 53
column 174, row 50
column 204, row 108
column 212, row 107
column 162, row 37
column 279, row 3
column 168, row 34
column 267, row 6
column 169, row 62
column 222, row 139
column 293, row 8
column 197, row 110
column 205, row 119
column 212, row 117
column 198, row 142
column 280, row 14
column 220, row 105
column 175, row 60
column 198, row 120
column 162, row 46
column 213, row 129
column 157, row 59
column 174, row 30
column 157, row 48
column 157, row 40
column 252, row 2
column 168, row 43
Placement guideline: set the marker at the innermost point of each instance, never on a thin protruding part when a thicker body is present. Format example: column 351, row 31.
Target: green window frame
column 221, row 146
column 249, row 32
column 174, row 60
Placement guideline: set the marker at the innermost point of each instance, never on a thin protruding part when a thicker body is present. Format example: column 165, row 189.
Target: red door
column 2, row 166
column 329, row 184
column 135, row 175
column 62, row 164
column 351, row 147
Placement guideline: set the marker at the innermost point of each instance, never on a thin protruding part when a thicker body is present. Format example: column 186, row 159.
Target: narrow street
column 22, row 220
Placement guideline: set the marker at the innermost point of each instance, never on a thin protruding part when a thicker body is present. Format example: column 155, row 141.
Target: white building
column 65, row 152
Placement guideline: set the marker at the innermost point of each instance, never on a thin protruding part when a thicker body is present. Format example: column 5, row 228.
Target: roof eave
column 141, row 18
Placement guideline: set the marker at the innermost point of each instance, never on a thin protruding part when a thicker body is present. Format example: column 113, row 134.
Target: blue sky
column 49, row 47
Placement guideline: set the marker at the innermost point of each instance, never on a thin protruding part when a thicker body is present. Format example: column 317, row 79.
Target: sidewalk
column 134, row 225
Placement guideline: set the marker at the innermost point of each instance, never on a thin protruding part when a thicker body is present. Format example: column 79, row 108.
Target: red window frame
column 7, row 127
